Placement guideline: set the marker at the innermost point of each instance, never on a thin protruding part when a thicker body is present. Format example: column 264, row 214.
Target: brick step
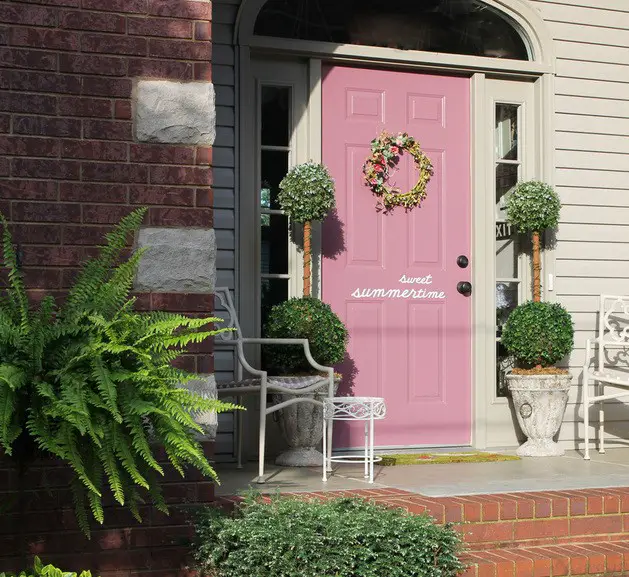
column 575, row 560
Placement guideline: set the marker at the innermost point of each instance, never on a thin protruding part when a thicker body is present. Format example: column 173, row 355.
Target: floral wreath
column 385, row 154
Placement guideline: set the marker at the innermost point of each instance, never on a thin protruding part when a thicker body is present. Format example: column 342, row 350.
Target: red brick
column 44, row 82
column 180, row 217
column 45, row 278
column 596, row 525
column 180, row 175
column 82, row 106
column 96, row 150
column 110, row 172
column 66, row 3
column 182, row 302
column 89, row 192
column 161, row 154
column 31, row 15
column 46, row 212
column 92, row 64
column 170, row 28
column 39, row 103
column 43, row 168
column 52, row 256
column 205, row 197
column 205, row 364
column 113, row 44
column 132, row 6
column 203, row 155
column 5, row 123
column 107, row 130
column 37, row 233
column 186, row 9
column 25, row 146
column 487, row 532
column 611, row 504
column 203, row 71
column 122, row 110
column 543, row 504
column 116, row 87
column 169, row 69
column 544, row 528
column 104, row 214
column 180, row 49
column 44, row 38
column 4, row 167
column 29, row 189
column 96, row 21
column 160, row 195
column 594, row 504
column 203, row 30
column 84, row 235
column 47, row 126
column 21, row 58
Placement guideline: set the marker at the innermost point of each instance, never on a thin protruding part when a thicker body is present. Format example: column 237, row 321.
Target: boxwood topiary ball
column 538, row 333
column 304, row 318
column 533, row 207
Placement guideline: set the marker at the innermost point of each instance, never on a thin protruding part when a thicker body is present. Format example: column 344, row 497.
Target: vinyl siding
column 592, row 174
column 592, row 171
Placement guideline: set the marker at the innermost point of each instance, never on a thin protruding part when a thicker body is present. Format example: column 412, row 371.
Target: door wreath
column 385, row 154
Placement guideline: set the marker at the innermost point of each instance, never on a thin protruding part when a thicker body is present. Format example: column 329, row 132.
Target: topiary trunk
column 307, row 257
column 537, row 268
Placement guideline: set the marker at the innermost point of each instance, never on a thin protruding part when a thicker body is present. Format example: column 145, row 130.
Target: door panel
column 393, row 277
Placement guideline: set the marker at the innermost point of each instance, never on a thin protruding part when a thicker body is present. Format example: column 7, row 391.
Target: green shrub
column 92, row 382
column 538, row 333
column 337, row 538
column 533, row 207
column 304, row 318
column 306, row 192
column 40, row 570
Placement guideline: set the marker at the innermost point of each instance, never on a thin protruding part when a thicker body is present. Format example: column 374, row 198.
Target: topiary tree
column 532, row 208
column 538, row 334
column 307, row 194
column 305, row 318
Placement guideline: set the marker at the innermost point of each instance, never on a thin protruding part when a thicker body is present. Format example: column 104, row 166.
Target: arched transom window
column 450, row 26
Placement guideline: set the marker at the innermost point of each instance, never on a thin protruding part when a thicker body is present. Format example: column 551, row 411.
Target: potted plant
column 90, row 383
column 537, row 334
column 306, row 195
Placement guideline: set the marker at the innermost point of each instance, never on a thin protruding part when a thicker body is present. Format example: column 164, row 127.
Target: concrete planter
column 540, row 402
column 301, row 424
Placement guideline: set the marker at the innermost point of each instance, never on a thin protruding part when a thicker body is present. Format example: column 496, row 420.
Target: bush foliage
column 41, row 570
column 337, row 538
column 307, row 192
column 304, row 318
column 533, row 207
column 92, row 382
column 538, row 333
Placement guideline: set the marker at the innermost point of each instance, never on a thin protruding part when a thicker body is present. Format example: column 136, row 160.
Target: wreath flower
column 385, row 154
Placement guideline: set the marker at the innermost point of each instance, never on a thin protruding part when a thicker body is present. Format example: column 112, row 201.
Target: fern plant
column 92, row 381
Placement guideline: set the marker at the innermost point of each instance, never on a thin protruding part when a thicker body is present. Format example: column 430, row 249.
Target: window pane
column 507, row 251
column 274, row 166
column 506, row 179
column 274, row 291
column 275, row 115
column 456, row 27
column 507, row 131
column 274, row 247
column 506, row 301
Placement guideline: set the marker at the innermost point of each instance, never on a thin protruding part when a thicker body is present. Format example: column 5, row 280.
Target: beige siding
column 592, row 176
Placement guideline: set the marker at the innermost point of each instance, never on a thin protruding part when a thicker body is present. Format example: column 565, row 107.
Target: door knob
column 462, row 261
column 464, row 287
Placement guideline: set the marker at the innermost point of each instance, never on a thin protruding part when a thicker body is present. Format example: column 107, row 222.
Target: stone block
column 172, row 112
column 177, row 260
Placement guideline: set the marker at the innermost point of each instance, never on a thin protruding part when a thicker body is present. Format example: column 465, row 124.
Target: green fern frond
column 106, row 387
column 112, row 473
column 9, row 429
column 78, row 496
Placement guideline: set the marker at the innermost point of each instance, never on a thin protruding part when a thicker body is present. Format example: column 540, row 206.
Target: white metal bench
column 611, row 363
column 259, row 382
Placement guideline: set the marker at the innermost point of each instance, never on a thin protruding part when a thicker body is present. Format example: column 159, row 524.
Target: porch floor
column 455, row 479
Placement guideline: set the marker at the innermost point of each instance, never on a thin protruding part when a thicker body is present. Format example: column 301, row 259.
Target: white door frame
column 483, row 71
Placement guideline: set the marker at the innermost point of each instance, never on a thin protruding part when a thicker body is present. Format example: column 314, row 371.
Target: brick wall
column 70, row 167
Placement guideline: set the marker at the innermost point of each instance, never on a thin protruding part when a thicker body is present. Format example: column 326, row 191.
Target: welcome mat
column 443, row 458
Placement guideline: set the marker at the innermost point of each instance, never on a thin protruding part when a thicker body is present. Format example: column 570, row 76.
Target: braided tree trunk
column 307, row 257
column 537, row 268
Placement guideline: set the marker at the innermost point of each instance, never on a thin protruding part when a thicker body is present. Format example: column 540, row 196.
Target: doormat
column 443, row 458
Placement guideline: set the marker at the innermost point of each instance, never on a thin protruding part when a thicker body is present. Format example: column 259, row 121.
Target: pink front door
column 393, row 277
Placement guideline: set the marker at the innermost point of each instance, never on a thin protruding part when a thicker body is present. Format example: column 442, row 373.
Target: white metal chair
column 611, row 363
column 260, row 383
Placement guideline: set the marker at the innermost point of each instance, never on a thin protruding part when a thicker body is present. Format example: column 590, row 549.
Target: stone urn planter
column 301, row 424
column 540, row 402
